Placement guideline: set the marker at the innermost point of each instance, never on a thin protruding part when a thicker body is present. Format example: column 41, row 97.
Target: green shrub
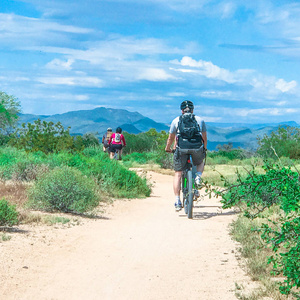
column 282, row 142
column 277, row 186
column 93, row 151
column 113, row 178
column 64, row 189
column 8, row 214
column 140, row 158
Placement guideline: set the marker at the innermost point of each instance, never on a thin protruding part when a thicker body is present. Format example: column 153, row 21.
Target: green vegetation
column 147, row 147
column 5, row 237
column 8, row 214
column 285, row 142
column 113, row 178
column 56, row 219
column 72, row 174
column 9, row 109
column 64, row 189
column 277, row 188
column 48, row 137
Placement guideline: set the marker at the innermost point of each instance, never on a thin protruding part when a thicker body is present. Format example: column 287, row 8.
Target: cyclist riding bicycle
column 116, row 142
column 189, row 134
column 106, row 138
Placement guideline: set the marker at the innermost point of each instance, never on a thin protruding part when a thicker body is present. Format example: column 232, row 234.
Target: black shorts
column 114, row 147
column 181, row 156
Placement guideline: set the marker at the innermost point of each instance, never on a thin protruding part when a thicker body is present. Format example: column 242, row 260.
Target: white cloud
column 81, row 97
column 205, row 68
column 58, row 64
column 216, row 94
column 114, row 49
column 22, row 32
column 183, row 5
column 13, row 24
column 284, row 86
column 14, row 78
column 244, row 112
column 177, row 94
column 154, row 74
column 256, row 86
column 78, row 81
column 227, row 9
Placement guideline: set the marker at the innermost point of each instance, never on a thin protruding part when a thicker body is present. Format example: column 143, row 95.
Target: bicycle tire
column 184, row 192
column 190, row 195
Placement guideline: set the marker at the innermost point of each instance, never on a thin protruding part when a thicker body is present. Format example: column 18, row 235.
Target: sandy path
column 143, row 250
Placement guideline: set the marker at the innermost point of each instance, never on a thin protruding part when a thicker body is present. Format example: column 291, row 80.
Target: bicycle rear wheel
column 184, row 190
column 190, row 195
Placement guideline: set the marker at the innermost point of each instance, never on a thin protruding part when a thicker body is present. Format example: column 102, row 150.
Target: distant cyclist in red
column 116, row 142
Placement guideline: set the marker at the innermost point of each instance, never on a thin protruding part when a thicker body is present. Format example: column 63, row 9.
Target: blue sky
column 238, row 61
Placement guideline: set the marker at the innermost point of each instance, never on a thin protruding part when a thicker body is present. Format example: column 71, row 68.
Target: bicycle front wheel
column 190, row 194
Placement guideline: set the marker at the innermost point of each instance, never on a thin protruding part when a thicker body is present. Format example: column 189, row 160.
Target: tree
column 9, row 109
column 225, row 147
column 285, row 141
column 90, row 139
column 44, row 136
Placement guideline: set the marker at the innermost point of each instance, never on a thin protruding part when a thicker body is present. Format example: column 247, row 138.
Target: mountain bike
column 189, row 191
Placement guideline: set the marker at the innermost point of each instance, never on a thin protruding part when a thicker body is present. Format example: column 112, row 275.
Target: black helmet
column 119, row 130
column 109, row 129
column 187, row 104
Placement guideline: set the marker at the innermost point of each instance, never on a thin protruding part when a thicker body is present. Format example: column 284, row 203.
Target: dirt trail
column 142, row 249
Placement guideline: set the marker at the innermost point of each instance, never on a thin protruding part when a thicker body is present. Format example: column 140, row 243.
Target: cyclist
column 116, row 142
column 189, row 133
column 106, row 138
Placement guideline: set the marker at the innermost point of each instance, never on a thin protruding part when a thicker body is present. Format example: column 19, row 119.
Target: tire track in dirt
column 142, row 249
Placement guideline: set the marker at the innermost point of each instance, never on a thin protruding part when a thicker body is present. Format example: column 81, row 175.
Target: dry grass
column 152, row 167
column 212, row 173
column 254, row 259
column 14, row 192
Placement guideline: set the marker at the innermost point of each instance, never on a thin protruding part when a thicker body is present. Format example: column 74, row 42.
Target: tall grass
column 255, row 257
column 111, row 176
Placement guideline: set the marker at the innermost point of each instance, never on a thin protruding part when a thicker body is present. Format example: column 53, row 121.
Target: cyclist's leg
column 200, row 168
column 177, row 183
column 179, row 160
column 112, row 151
column 198, row 157
column 120, row 153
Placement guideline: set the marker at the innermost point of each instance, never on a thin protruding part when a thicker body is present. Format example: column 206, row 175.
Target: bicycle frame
column 189, row 192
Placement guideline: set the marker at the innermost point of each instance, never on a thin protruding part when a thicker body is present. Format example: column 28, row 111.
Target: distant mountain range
column 99, row 119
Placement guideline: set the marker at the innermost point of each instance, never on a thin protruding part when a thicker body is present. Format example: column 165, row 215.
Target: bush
column 282, row 142
column 141, row 142
column 139, row 158
column 64, row 189
column 46, row 137
column 277, row 186
column 8, row 214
